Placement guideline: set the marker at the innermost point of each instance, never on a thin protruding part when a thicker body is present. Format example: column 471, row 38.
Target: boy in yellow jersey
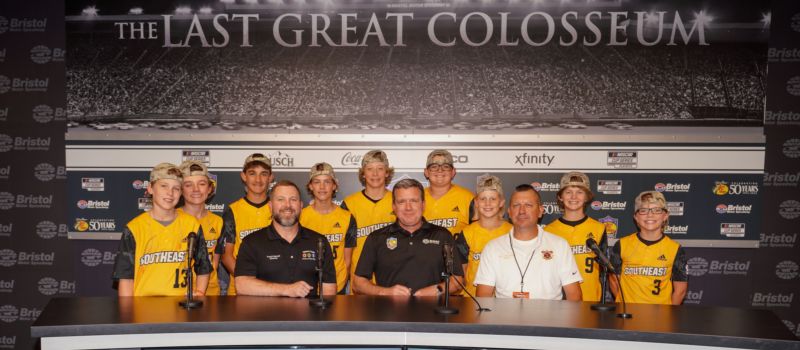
column 152, row 251
column 248, row 214
column 197, row 188
column 490, row 225
column 327, row 218
column 651, row 266
column 372, row 206
column 446, row 204
column 574, row 226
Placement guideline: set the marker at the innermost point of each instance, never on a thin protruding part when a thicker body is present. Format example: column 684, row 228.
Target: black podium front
column 364, row 321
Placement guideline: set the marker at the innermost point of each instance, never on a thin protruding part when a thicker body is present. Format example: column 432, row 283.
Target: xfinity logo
column 281, row 160
column 605, row 205
column 51, row 286
column 781, row 118
column 732, row 229
column 726, row 267
column 6, row 229
column 215, row 207
column 772, row 299
column 351, row 159
column 670, row 187
column 6, row 201
column 92, row 257
column 8, row 258
column 693, row 297
column 781, row 179
column 545, row 187
column 793, row 86
column 93, row 204
column 789, row 209
column 734, row 208
column 787, row 270
column 29, row 84
column 33, row 201
column 791, row 148
column 22, row 25
column 540, row 159
column 778, row 240
column 676, row 229
column 697, row 266
column 41, row 54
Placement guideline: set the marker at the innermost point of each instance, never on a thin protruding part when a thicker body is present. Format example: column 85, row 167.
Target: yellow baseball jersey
column 471, row 242
column 154, row 255
column 339, row 227
column 576, row 234
column 241, row 219
column 451, row 211
column 212, row 229
column 370, row 215
column 647, row 269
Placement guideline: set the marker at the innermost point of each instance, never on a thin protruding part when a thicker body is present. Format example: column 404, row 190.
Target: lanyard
column 522, row 273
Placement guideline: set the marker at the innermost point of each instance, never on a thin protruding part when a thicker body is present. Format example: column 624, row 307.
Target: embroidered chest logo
column 391, row 243
column 547, row 254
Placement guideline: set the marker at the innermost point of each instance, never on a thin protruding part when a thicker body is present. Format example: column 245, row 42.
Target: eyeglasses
column 656, row 211
column 440, row 167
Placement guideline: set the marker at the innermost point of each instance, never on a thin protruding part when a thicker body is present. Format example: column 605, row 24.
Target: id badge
column 521, row 295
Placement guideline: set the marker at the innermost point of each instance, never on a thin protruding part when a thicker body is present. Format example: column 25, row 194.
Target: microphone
column 447, row 251
column 592, row 244
column 190, row 303
column 320, row 302
column 191, row 242
column 320, row 251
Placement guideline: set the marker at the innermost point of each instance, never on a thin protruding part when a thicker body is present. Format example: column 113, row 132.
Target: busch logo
column 93, row 204
column 791, row 148
column 693, row 297
column 793, row 85
column 7, row 286
column 609, row 186
column 46, row 229
column 697, row 266
column 772, row 299
column 8, row 258
column 545, row 186
column 605, row 205
column 729, row 267
column 781, row 179
column 36, row 259
column 5, row 172
column 670, row 187
column 31, row 143
column 787, row 270
column 778, row 240
column 6, row 201
column 789, row 209
column 676, row 229
column 732, row 229
column 34, row 201
column 551, row 208
column 51, row 286
column 9, row 313
column 281, row 160
column 6, row 229
column 6, row 142
column 734, row 209
column 29, row 84
column 351, row 159
column 215, row 207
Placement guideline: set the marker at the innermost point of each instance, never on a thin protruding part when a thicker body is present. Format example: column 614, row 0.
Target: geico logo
column 31, row 141
column 36, row 257
column 717, row 265
column 778, row 238
column 460, row 159
column 775, row 298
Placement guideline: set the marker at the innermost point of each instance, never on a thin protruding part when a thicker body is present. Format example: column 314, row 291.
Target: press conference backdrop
column 133, row 93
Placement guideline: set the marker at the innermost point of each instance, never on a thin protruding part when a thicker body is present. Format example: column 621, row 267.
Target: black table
column 108, row 322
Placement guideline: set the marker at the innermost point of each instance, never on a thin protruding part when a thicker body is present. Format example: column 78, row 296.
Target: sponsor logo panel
column 787, row 270
column 779, row 179
column 92, row 257
column 676, row 229
column 93, row 184
column 728, row 229
column 50, row 286
column 772, row 299
column 94, row 225
column 609, row 186
column 778, row 240
column 734, row 208
column 608, row 205
column 791, row 148
column 623, row 159
column 675, row 208
column 789, row 209
column 672, row 187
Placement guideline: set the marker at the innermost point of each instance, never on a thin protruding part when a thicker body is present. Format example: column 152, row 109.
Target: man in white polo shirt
column 528, row 262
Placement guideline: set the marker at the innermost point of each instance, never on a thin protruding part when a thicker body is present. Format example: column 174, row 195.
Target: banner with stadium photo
column 642, row 95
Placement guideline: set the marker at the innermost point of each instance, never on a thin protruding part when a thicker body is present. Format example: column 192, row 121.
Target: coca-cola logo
column 351, row 159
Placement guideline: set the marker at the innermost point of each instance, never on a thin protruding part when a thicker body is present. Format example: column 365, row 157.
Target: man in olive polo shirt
column 406, row 257
column 281, row 259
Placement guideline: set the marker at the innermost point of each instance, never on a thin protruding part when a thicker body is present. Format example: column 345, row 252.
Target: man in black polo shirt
column 406, row 257
column 280, row 259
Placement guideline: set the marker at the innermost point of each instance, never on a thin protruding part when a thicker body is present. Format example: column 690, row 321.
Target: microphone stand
column 190, row 303
column 480, row 308
column 624, row 313
column 320, row 302
column 446, row 309
column 603, row 305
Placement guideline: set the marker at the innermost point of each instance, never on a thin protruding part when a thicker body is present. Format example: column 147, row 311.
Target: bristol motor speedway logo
column 782, row 179
column 671, row 187
column 789, row 209
column 51, row 286
column 545, row 186
column 791, row 148
column 778, row 240
column 693, row 297
column 772, row 299
column 92, row 257
column 787, row 270
column 93, row 204
column 698, row 266
column 734, row 208
column 607, row 205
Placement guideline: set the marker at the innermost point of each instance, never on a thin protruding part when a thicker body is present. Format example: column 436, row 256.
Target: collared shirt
column 265, row 255
column 412, row 259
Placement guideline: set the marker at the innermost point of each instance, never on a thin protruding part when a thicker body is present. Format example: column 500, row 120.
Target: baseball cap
column 165, row 171
column 575, row 178
column 257, row 157
column 375, row 156
column 193, row 168
column 443, row 153
column 322, row 169
column 650, row 197
column 489, row 182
